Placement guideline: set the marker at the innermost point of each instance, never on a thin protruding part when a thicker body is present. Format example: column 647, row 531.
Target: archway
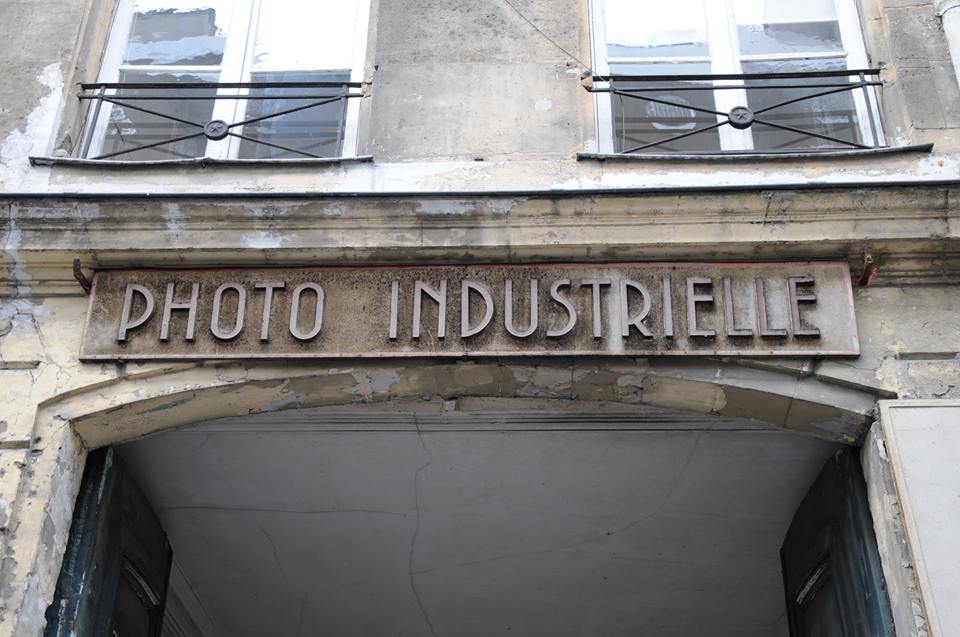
column 166, row 398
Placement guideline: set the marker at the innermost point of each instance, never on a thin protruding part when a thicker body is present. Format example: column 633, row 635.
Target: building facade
column 571, row 303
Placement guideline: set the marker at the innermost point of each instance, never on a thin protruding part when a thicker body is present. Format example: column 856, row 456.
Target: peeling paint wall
column 33, row 138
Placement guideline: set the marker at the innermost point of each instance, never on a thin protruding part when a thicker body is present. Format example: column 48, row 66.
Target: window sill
column 755, row 156
column 201, row 162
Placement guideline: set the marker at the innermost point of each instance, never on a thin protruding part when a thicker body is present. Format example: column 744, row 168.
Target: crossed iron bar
column 742, row 117
column 215, row 129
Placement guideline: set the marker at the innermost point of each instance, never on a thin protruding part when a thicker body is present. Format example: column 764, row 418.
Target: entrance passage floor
column 314, row 522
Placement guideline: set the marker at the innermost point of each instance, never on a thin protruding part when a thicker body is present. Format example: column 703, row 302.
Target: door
column 831, row 566
column 114, row 576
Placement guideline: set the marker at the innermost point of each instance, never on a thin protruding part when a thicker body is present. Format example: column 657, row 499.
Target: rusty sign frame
column 846, row 312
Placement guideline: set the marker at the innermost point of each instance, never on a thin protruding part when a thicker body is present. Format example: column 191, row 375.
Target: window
column 249, row 79
column 702, row 76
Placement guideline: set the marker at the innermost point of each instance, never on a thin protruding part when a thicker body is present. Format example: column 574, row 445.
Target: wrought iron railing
column 178, row 120
column 766, row 112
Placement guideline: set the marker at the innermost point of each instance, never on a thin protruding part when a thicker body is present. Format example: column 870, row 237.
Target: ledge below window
column 202, row 162
column 759, row 156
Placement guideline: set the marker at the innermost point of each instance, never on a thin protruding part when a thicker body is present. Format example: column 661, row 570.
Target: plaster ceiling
column 311, row 522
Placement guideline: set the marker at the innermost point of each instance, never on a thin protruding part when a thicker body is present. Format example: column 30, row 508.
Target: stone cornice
column 912, row 233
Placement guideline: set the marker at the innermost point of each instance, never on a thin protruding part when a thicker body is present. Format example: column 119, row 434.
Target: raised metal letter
column 667, row 307
column 394, row 308
column 627, row 321
column 796, row 298
column 226, row 335
column 728, row 318
column 190, row 306
column 295, row 312
column 440, row 296
column 481, row 289
column 534, row 310
column 125, row 323
column 567, row 305
column 763, row 327
column 692, row 299
column 597, row 318
column 268, row 289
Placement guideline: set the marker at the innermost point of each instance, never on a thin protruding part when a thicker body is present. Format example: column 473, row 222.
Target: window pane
column 782, row 26
column 308, row 36
column 639, row 121
column 652, row 28
column 317, row 130
column 181, row 32
column 129, row 128
column 832, row 115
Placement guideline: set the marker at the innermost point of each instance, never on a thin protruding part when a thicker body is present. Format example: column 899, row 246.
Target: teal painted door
column 114, row 576
column 831, row 566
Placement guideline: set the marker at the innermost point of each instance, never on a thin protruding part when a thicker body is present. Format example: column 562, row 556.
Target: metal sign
column 674, row 309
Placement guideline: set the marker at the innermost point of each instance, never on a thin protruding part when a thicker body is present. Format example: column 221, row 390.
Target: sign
column 702, row 309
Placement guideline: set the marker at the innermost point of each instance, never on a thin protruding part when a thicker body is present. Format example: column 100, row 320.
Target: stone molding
column 912, row 233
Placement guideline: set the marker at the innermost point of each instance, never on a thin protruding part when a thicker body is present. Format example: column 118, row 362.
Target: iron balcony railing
column 143, row 120
column 750, row 112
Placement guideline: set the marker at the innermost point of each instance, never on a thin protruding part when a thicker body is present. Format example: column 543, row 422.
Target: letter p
column 126, row 323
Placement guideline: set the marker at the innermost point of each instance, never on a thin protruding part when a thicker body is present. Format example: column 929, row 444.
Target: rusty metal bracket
column 869, row 270
column 81, row 277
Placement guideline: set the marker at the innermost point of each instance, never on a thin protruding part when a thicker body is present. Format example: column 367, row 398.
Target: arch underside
column 142, row 403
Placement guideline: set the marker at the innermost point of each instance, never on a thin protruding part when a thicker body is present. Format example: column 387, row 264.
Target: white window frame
column 235, row 67
column 725, row 58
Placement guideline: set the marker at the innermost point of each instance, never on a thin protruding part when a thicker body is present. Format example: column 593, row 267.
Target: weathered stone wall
column 474, row 80
column 906, row 39
column 53, row 407
column 464, row 96
column 909, row 320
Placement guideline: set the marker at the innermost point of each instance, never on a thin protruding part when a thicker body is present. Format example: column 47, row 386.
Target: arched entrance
column 423, row 518
column 610, row 493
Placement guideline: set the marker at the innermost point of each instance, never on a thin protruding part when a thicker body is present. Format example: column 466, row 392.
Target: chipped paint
column 172, row 216
column 444, row 206
column 381, row 382
column 21, row 273
column 502, row 206
column 34, row 137
column 335, row 209
column 287, row 402
column 264, row 240
column 543, row 105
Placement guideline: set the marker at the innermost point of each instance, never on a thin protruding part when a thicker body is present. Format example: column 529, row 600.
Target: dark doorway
column 115, row 570
column 831, row 567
